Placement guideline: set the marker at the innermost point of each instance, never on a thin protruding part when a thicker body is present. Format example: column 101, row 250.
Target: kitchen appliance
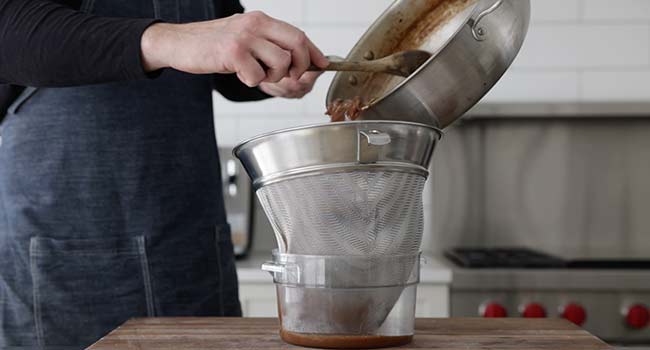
column 573, row 187
column 608, row 297
column 239, row 200
column 473, row 43
column 343, row 197
column 503, row 257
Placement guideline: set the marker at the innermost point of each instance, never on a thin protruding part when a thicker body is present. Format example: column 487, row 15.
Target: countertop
column 262, row 333
column 434, row 270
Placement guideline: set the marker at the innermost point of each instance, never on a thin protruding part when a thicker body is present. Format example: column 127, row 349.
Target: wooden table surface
column 262, row 333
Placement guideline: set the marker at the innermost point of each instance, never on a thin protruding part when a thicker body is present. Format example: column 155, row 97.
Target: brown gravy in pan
column 373, row 86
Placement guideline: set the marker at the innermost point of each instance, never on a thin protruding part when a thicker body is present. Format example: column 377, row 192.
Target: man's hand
column 291, row 88
column 259, row 49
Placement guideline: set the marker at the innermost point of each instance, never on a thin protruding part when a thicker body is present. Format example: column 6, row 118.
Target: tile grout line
column 580, row 85
column 581, row 11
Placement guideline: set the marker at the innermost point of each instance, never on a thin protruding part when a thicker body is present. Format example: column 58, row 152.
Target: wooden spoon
column 402, row 63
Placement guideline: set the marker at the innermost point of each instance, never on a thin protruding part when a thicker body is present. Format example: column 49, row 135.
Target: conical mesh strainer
column 348, row 213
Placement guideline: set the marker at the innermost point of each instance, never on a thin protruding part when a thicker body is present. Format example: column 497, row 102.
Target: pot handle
column 479, row 33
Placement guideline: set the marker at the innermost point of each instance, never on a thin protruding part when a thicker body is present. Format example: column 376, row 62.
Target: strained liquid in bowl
column 344, row 341
column 346, row 301
column 346, row 317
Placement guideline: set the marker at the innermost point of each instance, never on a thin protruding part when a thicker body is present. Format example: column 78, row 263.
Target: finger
column 307, row 81
column 249, row 71
column 300, row 60
column 276, row 59
column 316, row 56
column 310, row 78
column 272, row 89
column 292, row 39
column 287, row 88
column 300, row 87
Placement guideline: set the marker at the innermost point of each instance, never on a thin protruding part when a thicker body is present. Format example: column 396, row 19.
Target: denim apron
column 110, row 202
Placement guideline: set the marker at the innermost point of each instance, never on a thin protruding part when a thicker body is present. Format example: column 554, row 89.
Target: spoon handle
column 374, row 66
column 351, row 66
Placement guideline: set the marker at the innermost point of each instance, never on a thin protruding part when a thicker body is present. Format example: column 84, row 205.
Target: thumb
column 309, row 77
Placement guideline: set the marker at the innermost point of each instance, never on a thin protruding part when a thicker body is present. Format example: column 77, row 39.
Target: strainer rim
column 276, row 252
column 240, row 145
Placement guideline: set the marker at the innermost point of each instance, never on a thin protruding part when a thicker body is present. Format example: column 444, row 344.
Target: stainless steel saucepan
column 473, row 42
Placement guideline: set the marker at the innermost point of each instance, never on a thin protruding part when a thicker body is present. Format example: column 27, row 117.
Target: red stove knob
column 636, row 316
column 534, row 310
column 575, row 313
column 491, row 310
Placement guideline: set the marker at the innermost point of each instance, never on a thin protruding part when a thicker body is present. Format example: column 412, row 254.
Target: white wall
column 582, row 50
column 577, row 50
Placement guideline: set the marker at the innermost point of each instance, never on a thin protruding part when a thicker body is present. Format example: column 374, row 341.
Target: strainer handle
column 282, row 271
column 273, row 267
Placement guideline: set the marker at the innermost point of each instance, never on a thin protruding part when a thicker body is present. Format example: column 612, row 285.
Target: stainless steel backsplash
column 576, row 187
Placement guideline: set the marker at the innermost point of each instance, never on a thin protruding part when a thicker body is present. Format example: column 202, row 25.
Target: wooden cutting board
column 262, row 333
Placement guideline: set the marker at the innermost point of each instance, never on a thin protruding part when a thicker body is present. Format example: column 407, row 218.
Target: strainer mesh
column 347, row 213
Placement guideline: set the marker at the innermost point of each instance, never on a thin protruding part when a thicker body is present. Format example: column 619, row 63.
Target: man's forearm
column 156, row 46
column 46, row 44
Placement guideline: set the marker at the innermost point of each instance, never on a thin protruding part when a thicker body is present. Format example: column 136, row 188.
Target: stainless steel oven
column 575, row 187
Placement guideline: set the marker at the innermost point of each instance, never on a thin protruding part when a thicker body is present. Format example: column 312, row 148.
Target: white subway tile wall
column 632, row 10
column 338, row 12
column 556, row 10
column 617, row 86
column 576, row 50
column 584, row 46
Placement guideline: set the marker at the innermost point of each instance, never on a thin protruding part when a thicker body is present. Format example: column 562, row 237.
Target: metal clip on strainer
column 369, row 145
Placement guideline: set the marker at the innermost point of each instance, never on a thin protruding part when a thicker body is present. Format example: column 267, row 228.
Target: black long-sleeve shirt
column 49, row 43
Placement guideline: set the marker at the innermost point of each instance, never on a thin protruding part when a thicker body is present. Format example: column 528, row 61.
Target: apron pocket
column 21, row 99
column 84, row 288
